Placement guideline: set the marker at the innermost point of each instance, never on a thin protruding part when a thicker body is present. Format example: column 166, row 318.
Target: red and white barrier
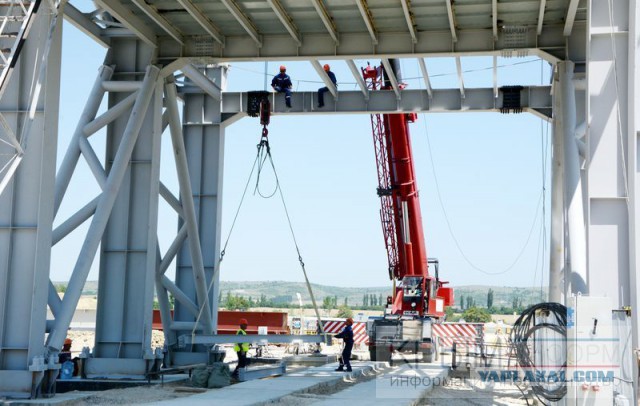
column 466, row 334
column 334, row 326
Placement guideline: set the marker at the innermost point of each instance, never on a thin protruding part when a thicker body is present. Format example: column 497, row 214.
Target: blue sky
column 489, row 170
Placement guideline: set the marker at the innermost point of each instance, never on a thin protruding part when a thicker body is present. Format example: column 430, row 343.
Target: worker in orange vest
column 241, row 348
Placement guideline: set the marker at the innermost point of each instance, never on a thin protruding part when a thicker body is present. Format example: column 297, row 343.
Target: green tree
column 237, row 303
column 61, row 288
column 461, row 302
column 327, row 303
column 373, row 300
column 469, row 302
column 335, row 301
column 172, row 302
column 450, row 314
column 490, row 299
column 476, row 315
column 365, row 300
column 344, row 311
column 380, row 302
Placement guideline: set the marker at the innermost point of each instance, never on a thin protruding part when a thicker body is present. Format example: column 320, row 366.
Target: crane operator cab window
column 412, row 288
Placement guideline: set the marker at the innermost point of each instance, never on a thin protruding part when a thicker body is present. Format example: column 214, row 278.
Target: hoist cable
column 295, row 242
column 224, row 248
column 264, row 152
column 450, row 227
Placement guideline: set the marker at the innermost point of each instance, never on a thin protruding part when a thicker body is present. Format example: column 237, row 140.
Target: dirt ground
column 463, row 393
column 454, row 393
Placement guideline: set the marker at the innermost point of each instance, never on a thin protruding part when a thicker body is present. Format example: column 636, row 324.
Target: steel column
column 204, row 146
column 26, row 215
column 186, row 196
column 576, row 279
column 128, row 258
column 556, row 251
column 117, row 172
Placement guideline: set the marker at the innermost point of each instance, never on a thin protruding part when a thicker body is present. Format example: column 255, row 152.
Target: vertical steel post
column 556, row 252
column 577, row 281
column 186, row 195
column 26, row 213
column 101, row 216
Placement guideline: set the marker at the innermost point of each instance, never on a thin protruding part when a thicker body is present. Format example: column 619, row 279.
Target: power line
column 450, row 228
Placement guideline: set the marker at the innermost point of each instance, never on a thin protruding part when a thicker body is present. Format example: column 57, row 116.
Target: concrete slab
column 270, row 390
column 59, row 399
column 402, row 385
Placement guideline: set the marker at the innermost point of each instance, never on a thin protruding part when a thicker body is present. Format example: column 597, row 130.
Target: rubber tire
column 385, row 356
column 427, row 356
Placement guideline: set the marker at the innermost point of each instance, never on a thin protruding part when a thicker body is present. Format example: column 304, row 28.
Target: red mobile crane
column 419, row 298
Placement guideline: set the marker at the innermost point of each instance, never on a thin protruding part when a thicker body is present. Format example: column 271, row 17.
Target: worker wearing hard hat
column 281, row 83
column 325, row 89
column 241, row 348
column 347, row 335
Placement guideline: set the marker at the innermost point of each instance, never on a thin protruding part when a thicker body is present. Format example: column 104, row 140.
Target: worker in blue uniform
column 347, row 335
column 325, row 89
column 281, row 83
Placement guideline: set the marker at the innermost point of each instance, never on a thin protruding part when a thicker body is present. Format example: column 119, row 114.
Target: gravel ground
column 130, row 396
column 466, row 393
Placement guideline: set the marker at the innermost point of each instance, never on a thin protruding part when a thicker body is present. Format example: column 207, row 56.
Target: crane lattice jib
column 373, row 79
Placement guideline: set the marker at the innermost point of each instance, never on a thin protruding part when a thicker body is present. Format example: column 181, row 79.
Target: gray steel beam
column 27, row 205
column 408, row 15
column 108, row 116
column 368, row 19
column 452, row 20
column 84, row 24
column 203, row 21
column 357, row 75
column 285, row 19
column 249, row 374
column 543, row 5
column 201, row 80
column 535, row 98
column 128, row 257
column 460, row 76
column 326, row 20
column 571, row 17
column 425, row 75
column 494, row 18
column 243, row 20
column 73, row 151
column 392, row 77
column 129, row 20
column 153, row 14
column 173, row 250
column 325, row 78
column 188, row 208
column 188, row 339
column 550, row 45
column 204, row 150
column 99, row 222
column 74, row 221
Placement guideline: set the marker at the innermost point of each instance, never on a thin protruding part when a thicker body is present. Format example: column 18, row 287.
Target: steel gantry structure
column 592, row 103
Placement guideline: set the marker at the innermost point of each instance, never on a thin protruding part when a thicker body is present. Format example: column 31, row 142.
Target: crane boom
column 419, row 298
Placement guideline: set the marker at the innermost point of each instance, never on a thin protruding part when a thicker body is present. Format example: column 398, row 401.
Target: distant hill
column 286, row 291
